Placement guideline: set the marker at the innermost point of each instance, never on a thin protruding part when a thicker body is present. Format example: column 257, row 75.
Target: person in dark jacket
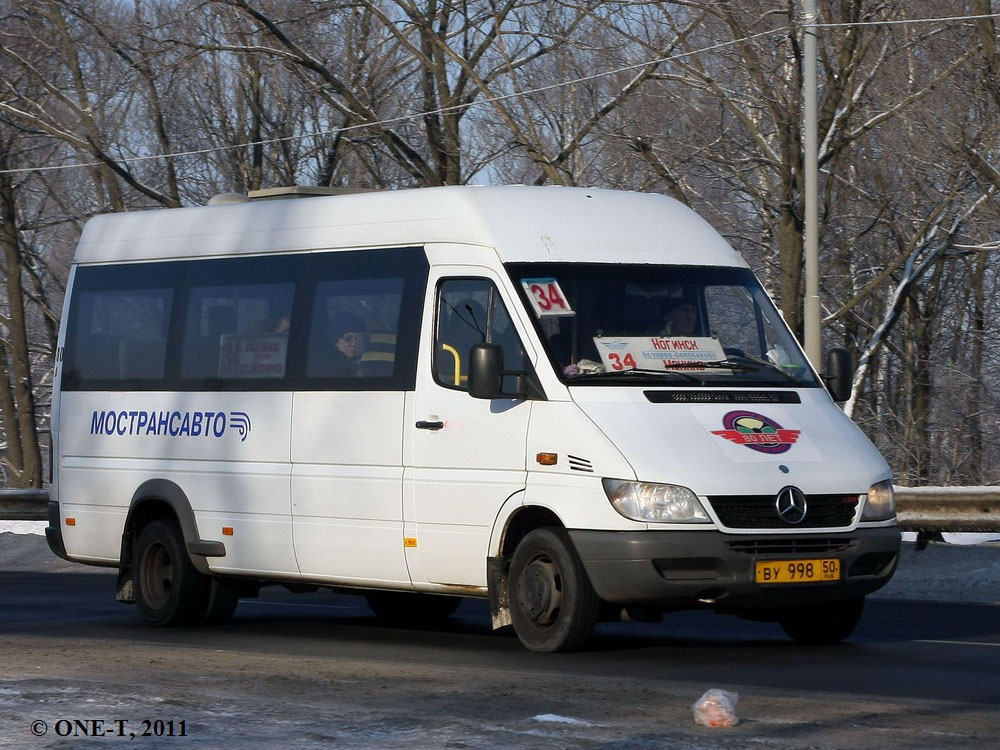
column 346, row 333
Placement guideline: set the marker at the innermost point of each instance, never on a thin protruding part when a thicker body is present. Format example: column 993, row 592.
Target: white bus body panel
column 458, row 477
column 235, row 475
column 677, row 444
column 521, row 223
column 347, row 486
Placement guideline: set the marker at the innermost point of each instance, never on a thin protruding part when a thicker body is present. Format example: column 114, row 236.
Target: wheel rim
column 540, row 590
column 157, row 575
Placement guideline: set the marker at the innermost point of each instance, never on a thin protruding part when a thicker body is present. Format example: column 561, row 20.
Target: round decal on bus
column 757, row 432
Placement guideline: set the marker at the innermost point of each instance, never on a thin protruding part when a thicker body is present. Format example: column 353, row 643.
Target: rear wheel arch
column 157, row 500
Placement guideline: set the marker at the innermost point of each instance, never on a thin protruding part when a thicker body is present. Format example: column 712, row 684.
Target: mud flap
column 497, row 569
column 125, row 590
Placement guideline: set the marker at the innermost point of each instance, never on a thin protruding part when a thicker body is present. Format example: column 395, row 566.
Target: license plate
column 797, row 571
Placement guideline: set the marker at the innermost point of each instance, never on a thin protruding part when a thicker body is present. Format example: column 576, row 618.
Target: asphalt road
column 317, row 670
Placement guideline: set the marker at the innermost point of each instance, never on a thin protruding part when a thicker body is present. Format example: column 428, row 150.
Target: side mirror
column 839, row 376
column 485, row 370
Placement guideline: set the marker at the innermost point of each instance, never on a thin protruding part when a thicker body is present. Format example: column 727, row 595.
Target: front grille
column 759, row 512
column 792, row 546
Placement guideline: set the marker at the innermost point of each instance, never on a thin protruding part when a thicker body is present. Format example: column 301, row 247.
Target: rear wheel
column 405, row 608
column 168, row 589
column 552, row 604
column 822, row 623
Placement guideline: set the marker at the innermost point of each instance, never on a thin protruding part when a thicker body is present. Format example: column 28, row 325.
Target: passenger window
column 237, row 331
column 354, row 328
column 118, row 326
column 470, row 311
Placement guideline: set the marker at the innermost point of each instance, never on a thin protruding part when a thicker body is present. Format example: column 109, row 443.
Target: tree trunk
column 17, row 404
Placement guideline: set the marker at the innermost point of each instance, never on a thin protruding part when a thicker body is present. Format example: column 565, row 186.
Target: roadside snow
column 556, row 719
column 970, row 538
column 24, row 527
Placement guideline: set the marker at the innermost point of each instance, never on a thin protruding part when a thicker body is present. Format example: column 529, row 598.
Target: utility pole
column 811, row 307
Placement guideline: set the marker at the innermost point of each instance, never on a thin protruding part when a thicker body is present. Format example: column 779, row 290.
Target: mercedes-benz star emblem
column 791, row 505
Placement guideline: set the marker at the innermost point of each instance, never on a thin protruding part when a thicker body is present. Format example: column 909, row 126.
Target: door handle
column 423, row 424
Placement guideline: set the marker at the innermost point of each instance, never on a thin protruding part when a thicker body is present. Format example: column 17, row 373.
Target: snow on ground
column 23, row 527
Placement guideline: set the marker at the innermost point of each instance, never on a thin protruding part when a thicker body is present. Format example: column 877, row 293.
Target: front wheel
column 168, row 589
column 822, row 623
column 552, row 604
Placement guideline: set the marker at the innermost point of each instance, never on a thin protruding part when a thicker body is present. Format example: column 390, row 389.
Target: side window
column 118, row 326
column 236, row 324
column 317, row 321
column 363, row 314
column 470, row 311
column 354, row 328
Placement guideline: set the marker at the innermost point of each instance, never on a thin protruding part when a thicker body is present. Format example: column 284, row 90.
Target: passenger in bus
column 347, row 333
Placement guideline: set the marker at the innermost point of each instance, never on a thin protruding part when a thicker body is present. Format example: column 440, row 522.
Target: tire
column 822, row 624
column 405, row 608
column 552, row 604
column 168, row 589
column 220, row 603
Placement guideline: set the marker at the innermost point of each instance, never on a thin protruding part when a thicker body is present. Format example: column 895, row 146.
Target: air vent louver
column 723, row 397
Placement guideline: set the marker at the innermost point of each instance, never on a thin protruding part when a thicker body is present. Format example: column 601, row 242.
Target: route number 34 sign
column 547, row 299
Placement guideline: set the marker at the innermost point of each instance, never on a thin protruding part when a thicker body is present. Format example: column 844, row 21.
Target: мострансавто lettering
column 169, row 423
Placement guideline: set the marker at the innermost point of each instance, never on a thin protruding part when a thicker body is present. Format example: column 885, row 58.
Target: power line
column 496, row 99
column 404, row 118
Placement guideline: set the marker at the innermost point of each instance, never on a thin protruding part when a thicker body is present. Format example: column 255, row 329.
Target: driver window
column 470, row 311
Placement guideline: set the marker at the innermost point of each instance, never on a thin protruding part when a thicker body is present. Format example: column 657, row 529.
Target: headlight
column 880, row 504
column 659, row 503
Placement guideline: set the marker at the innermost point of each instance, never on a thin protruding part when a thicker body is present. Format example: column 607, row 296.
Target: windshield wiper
column 749, row 364
column 675, row 374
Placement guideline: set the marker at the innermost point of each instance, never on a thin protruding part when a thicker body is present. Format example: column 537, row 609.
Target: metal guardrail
column 24, row 505
column 921, row 509
column 943, row 509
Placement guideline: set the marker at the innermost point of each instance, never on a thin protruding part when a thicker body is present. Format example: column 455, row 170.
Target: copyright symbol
column 38, row 728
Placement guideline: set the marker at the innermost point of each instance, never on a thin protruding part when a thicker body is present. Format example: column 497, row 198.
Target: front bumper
column 691, row 569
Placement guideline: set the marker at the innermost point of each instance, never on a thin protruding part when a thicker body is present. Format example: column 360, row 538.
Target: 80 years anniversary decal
column 757, row 432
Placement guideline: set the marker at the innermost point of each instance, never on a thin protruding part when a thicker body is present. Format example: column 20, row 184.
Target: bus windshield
column 611, row 324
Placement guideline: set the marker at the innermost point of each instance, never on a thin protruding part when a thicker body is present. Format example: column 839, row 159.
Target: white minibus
column 579, row 404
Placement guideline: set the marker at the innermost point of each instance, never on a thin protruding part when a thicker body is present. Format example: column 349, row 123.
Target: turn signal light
column 227, row 531
column 71, row 522
column 547, row 459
